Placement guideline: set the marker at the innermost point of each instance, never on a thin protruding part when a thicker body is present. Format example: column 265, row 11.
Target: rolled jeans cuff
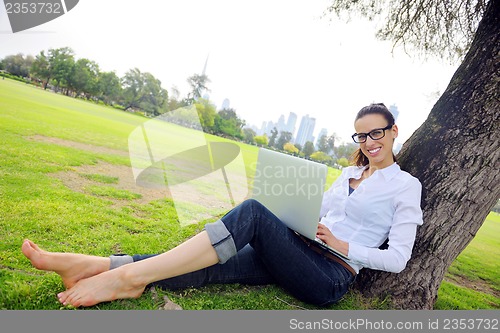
column 118, row 260
column 221, row 240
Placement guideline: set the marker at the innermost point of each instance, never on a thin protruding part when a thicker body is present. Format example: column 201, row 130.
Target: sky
column 267, row 57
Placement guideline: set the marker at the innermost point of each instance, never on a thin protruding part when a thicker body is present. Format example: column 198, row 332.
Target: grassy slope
column 477, row 267
column 35, row 205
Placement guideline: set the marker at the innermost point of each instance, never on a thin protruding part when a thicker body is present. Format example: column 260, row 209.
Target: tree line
column 137, row 91
column 59, row 70
column 325, row 150
column 141, row 92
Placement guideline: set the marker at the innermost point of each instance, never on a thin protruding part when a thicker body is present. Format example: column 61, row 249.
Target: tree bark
column 455, row 154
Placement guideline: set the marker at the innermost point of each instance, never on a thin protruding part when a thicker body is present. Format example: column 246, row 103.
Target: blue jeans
column 266, row 251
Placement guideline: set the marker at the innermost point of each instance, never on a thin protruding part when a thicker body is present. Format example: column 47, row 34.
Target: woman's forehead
column 370, row 122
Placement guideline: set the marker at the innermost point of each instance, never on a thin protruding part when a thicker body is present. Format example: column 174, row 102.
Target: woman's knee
column 255, row 208
column 253, row 204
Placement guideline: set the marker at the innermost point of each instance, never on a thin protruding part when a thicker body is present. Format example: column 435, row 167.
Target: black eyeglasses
column 376, row 134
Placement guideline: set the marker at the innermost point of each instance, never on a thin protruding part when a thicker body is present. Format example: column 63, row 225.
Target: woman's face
column 379, row 152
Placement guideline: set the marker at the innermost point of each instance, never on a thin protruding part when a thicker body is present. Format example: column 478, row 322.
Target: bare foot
column 108, row 286
column 70, row 266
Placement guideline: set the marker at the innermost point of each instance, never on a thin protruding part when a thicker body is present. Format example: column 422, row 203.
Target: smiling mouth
column 374, row 151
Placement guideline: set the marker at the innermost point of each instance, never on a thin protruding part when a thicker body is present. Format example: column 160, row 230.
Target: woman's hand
column 326, row 236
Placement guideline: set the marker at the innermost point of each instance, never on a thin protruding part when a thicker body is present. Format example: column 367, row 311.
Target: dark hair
column 358, row 158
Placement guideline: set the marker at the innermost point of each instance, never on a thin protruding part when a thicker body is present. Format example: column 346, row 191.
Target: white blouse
column 385, row 205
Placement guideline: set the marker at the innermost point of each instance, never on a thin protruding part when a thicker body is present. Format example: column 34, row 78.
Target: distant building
column 262, row 129
column 290, row 124
column 269, row 127
column 323, row 132
column 254, row 128
column 225, row 104
column 394, row 110
column 280, row 126
column 306, row 130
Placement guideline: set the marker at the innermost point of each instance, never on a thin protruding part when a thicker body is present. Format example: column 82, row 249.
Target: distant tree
column 18, row 64
column 283, row 138
column 61, row 65
column 13, row 63
column 331, row 143
column 230, row 114
column 155, row 97
column 185, row 116
column 109, row 88
column 207, row 114
column 289, row 147
column 143, row 91
column 323, row 144
column 261, row 140
column 133, row 89
column 298, row 146
column 343, row 162
column 227, row 122
column 174, row 101
column 199, row 84
column 308, row 149
column 40, row 69
column 345, row 150
column 274, row 135
column 321, row 157
column 84, row 77
column 249, row 135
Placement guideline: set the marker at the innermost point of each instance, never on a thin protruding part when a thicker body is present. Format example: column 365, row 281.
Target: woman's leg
column 129, row 281
column 245, row 268
column 70, row 266
column 199, row 252
column 306, row 274
column 281, row 255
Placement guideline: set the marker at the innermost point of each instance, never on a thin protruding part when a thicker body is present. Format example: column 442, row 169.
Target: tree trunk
column 455, row 154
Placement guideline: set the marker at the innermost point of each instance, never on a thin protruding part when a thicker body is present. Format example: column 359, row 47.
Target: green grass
column 100, row 178
column 108, row 191
column 483, row 251
column 477, row 267
column 34, row 204
column 455, row 297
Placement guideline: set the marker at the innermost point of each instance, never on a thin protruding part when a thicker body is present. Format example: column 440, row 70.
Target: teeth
column 373, row 151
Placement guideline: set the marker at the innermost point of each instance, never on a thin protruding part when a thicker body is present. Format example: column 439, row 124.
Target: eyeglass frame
column 369, row 134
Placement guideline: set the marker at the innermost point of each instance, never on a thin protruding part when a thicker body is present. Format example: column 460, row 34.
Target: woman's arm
column 395, row 258
column 407, row 216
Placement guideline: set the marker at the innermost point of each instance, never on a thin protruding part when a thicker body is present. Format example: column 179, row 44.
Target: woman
column 369, row 203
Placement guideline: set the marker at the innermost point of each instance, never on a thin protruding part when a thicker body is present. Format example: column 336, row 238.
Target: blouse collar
column 388, row 173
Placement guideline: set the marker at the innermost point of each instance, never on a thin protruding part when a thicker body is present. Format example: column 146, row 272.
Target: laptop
column 292, row 188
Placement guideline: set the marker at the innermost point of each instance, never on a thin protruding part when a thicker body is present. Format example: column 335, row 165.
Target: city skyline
column 327, row 68
column 280, row 125
column 304, row 133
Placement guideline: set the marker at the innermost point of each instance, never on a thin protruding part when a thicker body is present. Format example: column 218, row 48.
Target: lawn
column 473, row 280
column 66, row 183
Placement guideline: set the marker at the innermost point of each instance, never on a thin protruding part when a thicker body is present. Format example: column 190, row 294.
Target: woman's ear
column 395, row 131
